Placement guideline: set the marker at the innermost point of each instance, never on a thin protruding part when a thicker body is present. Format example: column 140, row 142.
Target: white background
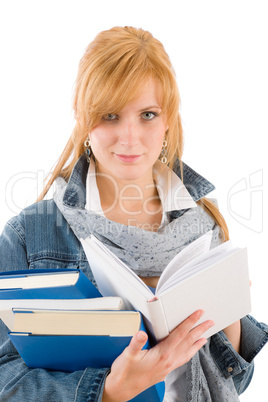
column 219, row 51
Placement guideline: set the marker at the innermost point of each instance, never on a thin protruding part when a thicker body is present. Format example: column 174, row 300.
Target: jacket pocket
column 53, row 261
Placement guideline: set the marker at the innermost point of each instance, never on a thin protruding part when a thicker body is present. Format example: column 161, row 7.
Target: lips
column 128, row 158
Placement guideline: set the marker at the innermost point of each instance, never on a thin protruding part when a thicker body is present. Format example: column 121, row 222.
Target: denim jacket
column 40, row 237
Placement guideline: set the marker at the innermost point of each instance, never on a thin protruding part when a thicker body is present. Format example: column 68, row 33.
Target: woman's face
column 126, row 145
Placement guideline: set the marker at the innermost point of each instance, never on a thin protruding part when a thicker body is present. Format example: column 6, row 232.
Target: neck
column 128, row 195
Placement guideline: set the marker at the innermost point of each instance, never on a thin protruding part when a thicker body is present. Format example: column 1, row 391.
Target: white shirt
column 173, row 196
column 172, row 192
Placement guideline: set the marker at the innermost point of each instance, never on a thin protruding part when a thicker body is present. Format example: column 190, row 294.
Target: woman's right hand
column 137, row 369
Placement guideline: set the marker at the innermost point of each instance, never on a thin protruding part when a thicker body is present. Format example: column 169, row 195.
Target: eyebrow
column 150, row 107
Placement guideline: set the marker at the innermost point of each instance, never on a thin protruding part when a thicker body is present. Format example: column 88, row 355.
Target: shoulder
column 40, row 223
column 46, row 236
column 41, row 212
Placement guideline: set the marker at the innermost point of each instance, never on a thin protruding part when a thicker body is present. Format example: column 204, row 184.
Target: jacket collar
column 75, row 193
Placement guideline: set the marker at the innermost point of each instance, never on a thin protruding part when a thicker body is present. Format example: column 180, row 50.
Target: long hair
column 111, row 73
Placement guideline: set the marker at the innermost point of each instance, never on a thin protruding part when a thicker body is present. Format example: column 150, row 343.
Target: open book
column 215, row 280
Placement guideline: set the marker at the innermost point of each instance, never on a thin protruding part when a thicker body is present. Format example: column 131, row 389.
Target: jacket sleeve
column 254, row 336
column 239, row 367
column 17, row 381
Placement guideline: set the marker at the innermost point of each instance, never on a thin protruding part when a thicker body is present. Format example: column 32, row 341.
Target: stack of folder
column 58, row 320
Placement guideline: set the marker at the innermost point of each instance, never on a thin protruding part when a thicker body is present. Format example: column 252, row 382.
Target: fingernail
column 211, row 323
column 141, row 336
column 200, row 313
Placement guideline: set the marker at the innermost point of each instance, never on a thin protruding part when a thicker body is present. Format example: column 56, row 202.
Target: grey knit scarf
column 147, row 253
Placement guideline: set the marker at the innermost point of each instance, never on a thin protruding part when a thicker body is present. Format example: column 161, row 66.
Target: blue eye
column 149, row 115
column 109, row 116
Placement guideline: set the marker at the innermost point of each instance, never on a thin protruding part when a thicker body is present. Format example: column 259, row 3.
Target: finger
column 197, row 331
column 195, row 348
column 182, row 330
column 194, row 335
column 192, row 343
column 137, row 343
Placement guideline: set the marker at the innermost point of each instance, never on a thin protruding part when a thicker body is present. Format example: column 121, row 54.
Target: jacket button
column 230, row 369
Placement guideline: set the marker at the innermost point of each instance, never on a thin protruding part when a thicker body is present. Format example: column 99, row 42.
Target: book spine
column 158, row 318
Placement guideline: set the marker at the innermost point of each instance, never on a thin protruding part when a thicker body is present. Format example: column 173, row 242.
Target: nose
column 129, row 135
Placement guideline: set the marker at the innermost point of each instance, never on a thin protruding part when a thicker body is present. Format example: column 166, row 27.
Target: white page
column 197, row 264
column 203, row 265
column 221, row 290
column 191, row 251
column 98, row 303
column 43, row 280
column 195, row 270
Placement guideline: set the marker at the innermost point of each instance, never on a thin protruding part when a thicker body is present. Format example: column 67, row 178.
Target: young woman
column 121, row 178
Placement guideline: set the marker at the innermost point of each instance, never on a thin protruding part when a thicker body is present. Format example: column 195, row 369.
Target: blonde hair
column 111, row 73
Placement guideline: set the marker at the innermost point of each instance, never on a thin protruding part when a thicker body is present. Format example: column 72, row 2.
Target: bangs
column 117, row 76
column 115, row 93
column 116, row 89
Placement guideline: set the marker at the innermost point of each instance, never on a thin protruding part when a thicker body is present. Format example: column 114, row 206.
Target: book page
column 199, row 263
column 99, row 303
column 44, row 280
column 57, row 322
column 222, row 290
column 190, row 252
